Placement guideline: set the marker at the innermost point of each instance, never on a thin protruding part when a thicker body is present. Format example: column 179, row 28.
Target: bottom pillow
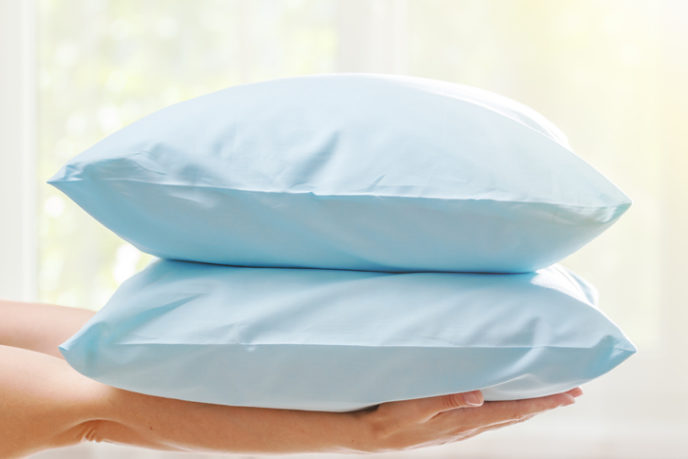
column 337, row 340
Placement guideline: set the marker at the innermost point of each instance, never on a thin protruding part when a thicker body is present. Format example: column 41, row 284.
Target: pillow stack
column 333, row 242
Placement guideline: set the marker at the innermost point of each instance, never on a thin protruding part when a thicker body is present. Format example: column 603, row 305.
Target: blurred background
column 611, row 74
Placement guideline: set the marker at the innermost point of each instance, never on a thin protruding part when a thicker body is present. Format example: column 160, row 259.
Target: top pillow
column 348, row 171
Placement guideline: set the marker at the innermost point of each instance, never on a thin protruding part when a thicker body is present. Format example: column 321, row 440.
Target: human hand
column 444, row 419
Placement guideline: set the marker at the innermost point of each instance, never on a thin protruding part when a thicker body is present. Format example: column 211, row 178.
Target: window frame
column 18, row 100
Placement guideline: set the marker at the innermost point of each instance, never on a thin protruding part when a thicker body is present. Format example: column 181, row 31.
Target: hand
column 449, row 418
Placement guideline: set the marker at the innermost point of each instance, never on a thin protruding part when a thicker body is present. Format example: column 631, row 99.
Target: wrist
column 359, row 434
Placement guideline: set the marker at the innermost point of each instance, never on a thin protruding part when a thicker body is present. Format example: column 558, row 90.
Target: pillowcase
column 350, row 171
column 337, row 340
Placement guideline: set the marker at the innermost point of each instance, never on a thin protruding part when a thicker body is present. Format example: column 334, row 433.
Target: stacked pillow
column 332, row 242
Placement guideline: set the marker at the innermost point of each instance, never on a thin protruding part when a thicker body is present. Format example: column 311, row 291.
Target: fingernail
column 577, row 392
column 473, row 398
column 569, row 401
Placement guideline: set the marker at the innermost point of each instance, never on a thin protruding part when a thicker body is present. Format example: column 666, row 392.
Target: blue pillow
column 351, row 171
column 338, row 340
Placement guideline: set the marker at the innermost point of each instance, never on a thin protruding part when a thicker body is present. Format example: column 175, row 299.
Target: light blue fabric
column 339, row 340
column 352, row 171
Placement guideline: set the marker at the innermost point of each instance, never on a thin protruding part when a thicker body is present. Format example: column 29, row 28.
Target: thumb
column 429, row 407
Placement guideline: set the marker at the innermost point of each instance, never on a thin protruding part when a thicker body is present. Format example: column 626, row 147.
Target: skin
column 45, row 404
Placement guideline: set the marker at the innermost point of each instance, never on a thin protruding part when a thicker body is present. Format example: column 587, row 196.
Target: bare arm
column 44, row 403
column 389, row 427
column 39, row 327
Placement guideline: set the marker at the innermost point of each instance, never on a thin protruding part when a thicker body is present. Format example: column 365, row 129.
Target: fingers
column 501, row 413
column 576, row 392
column 447, row 418
column 426, row 408
column 518, row 409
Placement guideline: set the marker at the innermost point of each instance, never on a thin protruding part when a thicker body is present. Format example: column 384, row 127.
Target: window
column 608, row 73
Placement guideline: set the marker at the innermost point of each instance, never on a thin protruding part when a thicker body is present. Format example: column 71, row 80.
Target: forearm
column 39, row 327
column 43, row 402
column 185, row 425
